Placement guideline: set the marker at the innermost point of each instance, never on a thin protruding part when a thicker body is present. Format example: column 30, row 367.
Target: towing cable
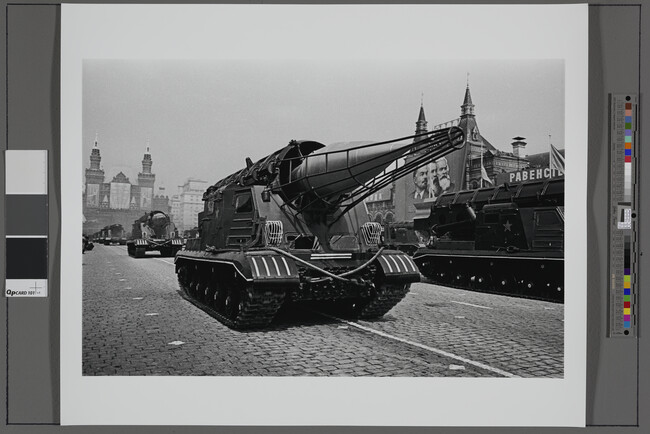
column 340, row 277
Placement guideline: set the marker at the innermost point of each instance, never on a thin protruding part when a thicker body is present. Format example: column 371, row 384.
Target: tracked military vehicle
column 401, row 236
column 154, row 231
column 507, row 239
column 293, row 227
column 113, row 234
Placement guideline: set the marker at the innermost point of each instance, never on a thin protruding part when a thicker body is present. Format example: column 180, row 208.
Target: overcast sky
column 203, row 118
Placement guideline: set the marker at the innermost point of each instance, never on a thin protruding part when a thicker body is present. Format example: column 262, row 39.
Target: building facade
column 161, row 202
column 118, row 201
column 478, row 164
column 187, row 204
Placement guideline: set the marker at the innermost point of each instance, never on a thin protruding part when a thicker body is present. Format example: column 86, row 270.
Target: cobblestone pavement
column 135, row 322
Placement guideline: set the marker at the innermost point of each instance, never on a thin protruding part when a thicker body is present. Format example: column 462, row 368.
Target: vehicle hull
column 522, row 274
column 246, row 289
column 137, row 248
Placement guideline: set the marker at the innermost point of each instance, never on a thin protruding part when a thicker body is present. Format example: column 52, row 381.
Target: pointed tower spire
column 146, row 161
column 95, row 173
column 421, row 124
column 467, row 109
column 146, row 180
column 95, row 156
column 421, row 117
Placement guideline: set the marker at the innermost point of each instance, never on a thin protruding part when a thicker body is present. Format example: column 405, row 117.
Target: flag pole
column 481, row 174
column 550, row 156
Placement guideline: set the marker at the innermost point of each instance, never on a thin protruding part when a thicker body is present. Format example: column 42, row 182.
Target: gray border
column 612, row 400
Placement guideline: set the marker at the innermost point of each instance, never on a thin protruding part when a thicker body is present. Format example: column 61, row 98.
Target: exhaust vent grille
column 273, row 232
column 371, row 233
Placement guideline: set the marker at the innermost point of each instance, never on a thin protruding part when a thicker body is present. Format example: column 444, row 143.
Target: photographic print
column 318, row 218
column 303, row 242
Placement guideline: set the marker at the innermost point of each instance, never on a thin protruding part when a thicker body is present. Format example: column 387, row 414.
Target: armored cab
column 293, row 227
column 402, row 236
column 97, row 236
column 103, row 236
column 189, row 234
column 113, row 234
column 507, row 239
column 153, row 231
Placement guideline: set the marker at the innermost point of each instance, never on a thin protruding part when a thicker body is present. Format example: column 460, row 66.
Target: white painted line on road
column 150, row 314
column 162, row 260
column 138, row 298
column 459, row 317
column 121, row 280
column 425, row 347
column 470, row 304
column 456, row 367
column 176, row 343
column 549, row 308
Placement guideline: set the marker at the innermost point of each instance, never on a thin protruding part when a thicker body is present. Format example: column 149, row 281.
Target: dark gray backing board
column 617, row 389
column 33, row 123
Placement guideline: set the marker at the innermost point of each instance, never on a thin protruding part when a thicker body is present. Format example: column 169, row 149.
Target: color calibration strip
column 627, row 284
column 26, row 222
column 627, row 165
column 623, row 194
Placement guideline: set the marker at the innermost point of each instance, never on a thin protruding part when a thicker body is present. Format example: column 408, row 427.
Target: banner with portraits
column 428, row 182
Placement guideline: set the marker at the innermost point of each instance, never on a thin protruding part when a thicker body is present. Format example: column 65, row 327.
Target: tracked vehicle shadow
column 289, row 316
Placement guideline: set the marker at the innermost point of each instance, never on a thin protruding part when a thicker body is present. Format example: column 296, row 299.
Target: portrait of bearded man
column 433, row 180
column 443, row 183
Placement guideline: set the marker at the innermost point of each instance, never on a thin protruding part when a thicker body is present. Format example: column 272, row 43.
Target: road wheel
column 479, row 282
column 218, row 297
column 558, row 292
column 183, row 276
column 201, row 290
column 460, row 278
column 528, row 288
column 505, row 284
column 232, row 304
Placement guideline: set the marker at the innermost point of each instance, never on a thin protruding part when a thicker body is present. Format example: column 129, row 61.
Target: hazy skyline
column 203, row 118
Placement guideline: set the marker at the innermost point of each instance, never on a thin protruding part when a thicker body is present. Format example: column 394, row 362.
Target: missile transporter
column 293, row 227
column 507, row 239
column 153, row 231
column 112, row 234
